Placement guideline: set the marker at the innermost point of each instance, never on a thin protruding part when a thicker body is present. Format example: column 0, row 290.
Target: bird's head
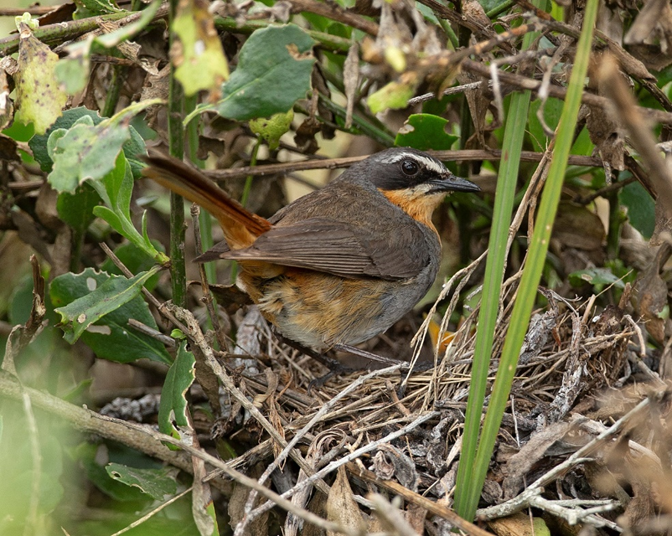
column 412, row 180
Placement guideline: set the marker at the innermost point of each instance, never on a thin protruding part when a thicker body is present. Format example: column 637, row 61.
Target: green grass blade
column 514, row 134
column 527, row 291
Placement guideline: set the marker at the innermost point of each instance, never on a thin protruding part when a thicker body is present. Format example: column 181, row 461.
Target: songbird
column 339, row 265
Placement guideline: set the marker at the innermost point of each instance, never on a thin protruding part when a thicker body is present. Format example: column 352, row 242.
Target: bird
column 341, row 264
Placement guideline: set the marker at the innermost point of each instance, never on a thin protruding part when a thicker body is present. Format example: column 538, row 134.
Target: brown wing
column 341, row 249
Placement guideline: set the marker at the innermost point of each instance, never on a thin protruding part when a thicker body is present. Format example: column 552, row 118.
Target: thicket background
column 107, row 415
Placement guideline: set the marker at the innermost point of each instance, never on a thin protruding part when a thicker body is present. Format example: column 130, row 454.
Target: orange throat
column 418, row 205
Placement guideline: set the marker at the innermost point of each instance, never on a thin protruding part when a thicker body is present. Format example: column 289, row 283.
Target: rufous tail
column 241, row 227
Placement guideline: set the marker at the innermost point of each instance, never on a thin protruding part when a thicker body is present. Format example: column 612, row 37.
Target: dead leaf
column 518, row 525
column 351, row 80
column 341, row 506
column 534, row 450
column 415, row 515
column 652, row 29
column 650, row 294
column 237, row 507
column 404, row 468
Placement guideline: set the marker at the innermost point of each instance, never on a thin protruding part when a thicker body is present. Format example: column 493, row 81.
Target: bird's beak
column 450, row 183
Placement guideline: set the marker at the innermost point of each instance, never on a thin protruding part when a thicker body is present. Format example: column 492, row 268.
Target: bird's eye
column 409, row 167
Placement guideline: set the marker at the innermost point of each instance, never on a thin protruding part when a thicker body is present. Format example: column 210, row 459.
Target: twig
column 415, row 498
column 350, row 457
column 205, row 288
column 391, row 518
column 336, row 163
column 151, row 332
column 151, row 514
column 148, row 295
column 91, row 422
column 32, row 524
column 62, row 31
column 523, row 500
column 334, row 12
column 301, row 433
column 558, row 92
column 193, row 331
column 450, row 91
column 641, row 136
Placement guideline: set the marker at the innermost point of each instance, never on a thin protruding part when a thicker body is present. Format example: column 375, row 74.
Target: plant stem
column 176, row 149
column 113, row 91
column 243, row 198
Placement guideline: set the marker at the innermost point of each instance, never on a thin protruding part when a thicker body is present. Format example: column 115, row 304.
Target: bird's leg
column 335, row 368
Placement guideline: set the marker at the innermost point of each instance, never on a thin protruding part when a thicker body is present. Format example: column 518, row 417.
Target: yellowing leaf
column 272, row 128
column 39, row 99
column 198, row 55
column 394, row 95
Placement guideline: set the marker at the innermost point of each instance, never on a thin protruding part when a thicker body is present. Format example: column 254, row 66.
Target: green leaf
column 173, row 405
column 641, row 208
column 598, row 277
column 100, row 300
column 272, row 128
column 425, row 131
column 38, row 143
column 72, row 72
column 134, row 148
column 198, row 54
column 552, row 111
column 273, row 72
column 96, row 473
column 116, row 190
column 39, row 99
column 111, row 337
column 157, row 483
column 93, row 8
column 135, row 259
column 89, row 150
column 86, row 151
column 77, row 209
column 393, row 96
column 489, row 5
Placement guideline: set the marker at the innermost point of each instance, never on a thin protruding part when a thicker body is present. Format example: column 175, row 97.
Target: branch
column 52, row 34
column 336, row 163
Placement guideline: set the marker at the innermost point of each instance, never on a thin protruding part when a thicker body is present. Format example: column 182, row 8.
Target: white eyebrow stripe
column 429, row 163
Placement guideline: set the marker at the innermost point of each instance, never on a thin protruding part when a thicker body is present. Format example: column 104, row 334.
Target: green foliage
column 92, row 8
column 89, row 149
column 271, row 129
column 116, row 190
column 173, row 407
column 157, row 483
column 641, row 208
column 77, row 209
column 97, row 306
column 597, row 277
column 424, row 132
column 393, row 96
column 20, row 473
column 277, row 57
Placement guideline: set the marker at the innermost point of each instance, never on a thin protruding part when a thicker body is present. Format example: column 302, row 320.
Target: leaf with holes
column 98, row 306
column 274, row 69
column 424, row 132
